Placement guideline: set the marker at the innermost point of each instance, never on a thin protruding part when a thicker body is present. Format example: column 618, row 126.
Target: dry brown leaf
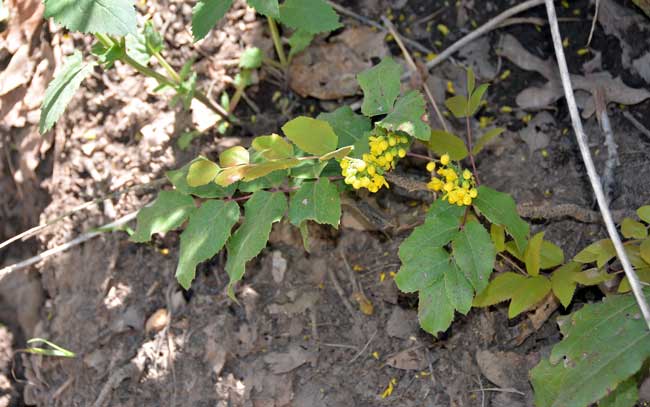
column 284, row 362
column 25, row 17
column 18, row 72
column 409, row 359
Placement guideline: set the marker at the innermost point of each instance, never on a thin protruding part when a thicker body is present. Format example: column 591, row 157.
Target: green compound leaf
column 62, row 88
column 251, row 58
column 563, row 282
column 475, row 254
column 486, row 138
column 298, row 41
column 201, row 171
column 475, row 99
column 318, row 201
column 604, row 344
column 551, row 256
column 206, row 233
column 626, row 394
column 442, row 142
column 273, row 147
column 351, row 128
column 600, row 252
column 269, row 8
column 644, row 213
column 435, row 311
column 533, row 254
column 311, row 135
column 381, row 86
column 261, row 211
column 457, row 105
column 632, row 229
column 168, row 211
column 407, row 117
column 500, row 208
column 471, row 81
column 206, row 14
column 500, row 289
column 115, row 17
column 178, row 178
column 312, row 16
column 234, row 156
column 459, row 291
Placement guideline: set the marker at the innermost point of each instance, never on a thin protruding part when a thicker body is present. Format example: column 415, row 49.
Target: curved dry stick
column 589, row 164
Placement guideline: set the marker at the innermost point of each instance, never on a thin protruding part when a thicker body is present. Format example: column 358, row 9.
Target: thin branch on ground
column 414, row 70
column 363, row 349
column 482, row 30
column 637, row 124
column 341, row 293
column 593, row 23
column 498, row 390
column 589, row 164
column 609, row 181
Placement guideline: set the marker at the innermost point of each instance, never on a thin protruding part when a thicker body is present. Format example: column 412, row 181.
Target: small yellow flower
column 450, row 88
column 467, row 174
column 444, row 160
column 431, row 166
column 389, row 389
column 375, row 355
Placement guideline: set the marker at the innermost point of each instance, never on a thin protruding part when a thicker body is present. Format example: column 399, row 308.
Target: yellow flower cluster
column 459, row 188
column 385, row 150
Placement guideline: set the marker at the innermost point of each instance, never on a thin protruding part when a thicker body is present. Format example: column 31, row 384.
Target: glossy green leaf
column 251, row 58
column 645, row 250
column 206, row 14
column 625, row 394
column 563, row 282
column 498, row 236
column 178, row 178
column 475, row 99
column 435, row 311
column 644, row 213
column 632, row 229
column 318, row 201
column 234, row 156
column 273, row 147
column 592, row 277
column 202, row 171
column 408, row 116
column 269, row 8
column 531, row 291
column 261, row 211
column 299, row 41
column 312, row 16
column 500, row 208
column 485, row 138
column 205, row 235
column 459, row 291
column 604, row 344
column 381, row 87
column 475, row 254
column 338, row 154
column 533, row 254
column 62, row 88
column 422, row 264
column 600, row 252
column 349, row 127
column 552, row 255
column 263, row 169
column 168, row 211
column 442, row 142
column 311, row 135
column 457, row 105
column 115, row 17
column 500, row 289
column 228, row 176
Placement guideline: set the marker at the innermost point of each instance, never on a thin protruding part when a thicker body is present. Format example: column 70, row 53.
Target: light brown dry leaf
column 284, row 362
column 409, row 359
column 25, row 17
column 18, row 72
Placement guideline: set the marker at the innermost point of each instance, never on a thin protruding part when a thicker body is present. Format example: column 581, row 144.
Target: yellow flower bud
column 431, row 166
column 392, row 141
column 467, row 174
column 473, row 193
column 448, row 187
column 467, row 200
column 444, row 160
column 356, row 184
column 401, row 153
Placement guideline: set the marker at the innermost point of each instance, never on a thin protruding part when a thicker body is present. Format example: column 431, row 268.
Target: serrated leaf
column 234, row 156
column 251, row 58
column 206, row 14
column 552, row 255
column 338, row 154
column 500, row 208
column 485, row 138
column 407, row 116
column 500, row 289
column 603, row 345
column 381, row 87
column 298, row 41
column 136, row 48
column 311, row 135
column 475, row 254
column 498, row 236
column 273, row 147
column 644, row 213
column 115, row 17
column 312, row 16
column 168, row 211
column 457, row 105
column 442, row 142
column 318, row 201
column 351, row 128
column 563, row 283
column 644, row 250
column 202, row 171
column 533, row 254
column 269, row 8
column 205, row 235
column 261, row 211
column 475, row 99
column 459, row 291
column 531, row 291
column 62, row 88
column 435, row 312
column 632, row 229
column 625, row 394
column 178, row 178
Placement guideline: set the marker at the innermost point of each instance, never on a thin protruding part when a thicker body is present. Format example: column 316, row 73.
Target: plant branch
column 589, row 164
column 277, row 41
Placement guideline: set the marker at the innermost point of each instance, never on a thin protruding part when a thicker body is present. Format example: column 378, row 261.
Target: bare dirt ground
column 297, row 337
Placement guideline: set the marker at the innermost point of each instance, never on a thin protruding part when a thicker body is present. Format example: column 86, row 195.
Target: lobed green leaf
column 533, row 254
column 475, row 254
column 273, row 147
column 632, row 229
column 381, row 87
column 115, row 17
column 206, row 14
column 201, row 172
column 351, row 128
column 407, row 116
column 311, row 135
column 269, row 8
column 318, row 201
column 563, row 282
column 442, row 142
column 312, row 16
column 167, row 212
column 500, row 208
